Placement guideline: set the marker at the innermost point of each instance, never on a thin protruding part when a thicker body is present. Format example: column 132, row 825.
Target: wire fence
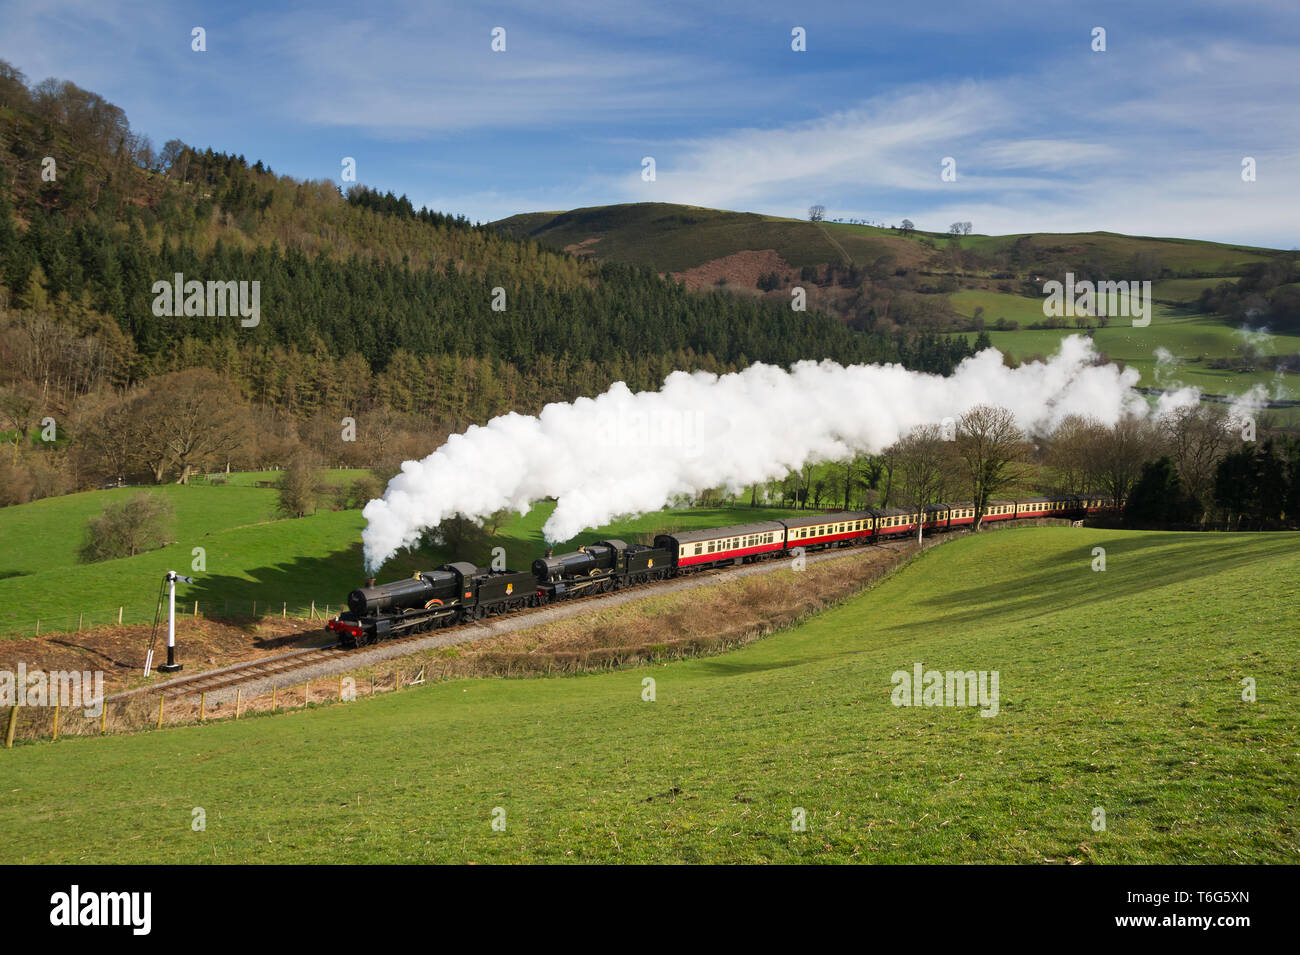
column 156, row 710
column 298, row 608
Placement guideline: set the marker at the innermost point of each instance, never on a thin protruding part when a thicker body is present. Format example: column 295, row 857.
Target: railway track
column 239, row 673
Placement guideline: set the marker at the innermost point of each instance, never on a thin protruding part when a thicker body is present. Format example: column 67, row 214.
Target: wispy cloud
column 1147, row 137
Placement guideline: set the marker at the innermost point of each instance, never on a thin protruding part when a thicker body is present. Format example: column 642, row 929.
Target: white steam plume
column 623, row 453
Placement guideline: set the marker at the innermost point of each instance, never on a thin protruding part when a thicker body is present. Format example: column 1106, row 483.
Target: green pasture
column 1120, row 692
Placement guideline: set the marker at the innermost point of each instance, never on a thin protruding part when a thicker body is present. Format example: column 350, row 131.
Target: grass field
column 1193, row 338
column 1118, row 690
column 249, row 555
column 1183, row 291
column 334, row 477
column 1115, row 252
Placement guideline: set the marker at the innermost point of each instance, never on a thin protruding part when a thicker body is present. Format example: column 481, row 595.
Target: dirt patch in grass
column 202, row 644
column 740, row 269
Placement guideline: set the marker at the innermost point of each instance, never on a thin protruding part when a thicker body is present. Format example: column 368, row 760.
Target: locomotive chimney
column 370, row 581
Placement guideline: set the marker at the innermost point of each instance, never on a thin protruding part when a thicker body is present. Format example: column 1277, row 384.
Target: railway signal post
column 171, row 666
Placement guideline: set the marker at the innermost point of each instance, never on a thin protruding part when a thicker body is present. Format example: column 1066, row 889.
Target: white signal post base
column 171, row 666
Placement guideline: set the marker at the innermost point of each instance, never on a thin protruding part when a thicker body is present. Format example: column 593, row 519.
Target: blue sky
column 1147, row 137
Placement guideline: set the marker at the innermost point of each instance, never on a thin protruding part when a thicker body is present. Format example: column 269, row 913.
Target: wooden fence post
column 13, row 726
column 203, row 705
column 306, row 693
column 239, row 696
column 161, row 697
column 103, row 717
column 340, row 687
column 56, row 718
column 274, row 690
column 119, row 615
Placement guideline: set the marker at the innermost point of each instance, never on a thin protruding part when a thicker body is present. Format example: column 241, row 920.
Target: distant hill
column 867, row 273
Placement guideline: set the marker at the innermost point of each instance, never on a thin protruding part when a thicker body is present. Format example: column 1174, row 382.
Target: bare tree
column 126, row 528
column 1067, row 452
column 886, row 463
column 187, row 418
column 109, row 440
column 1197, row 437
column 1116, row 455
column 816, row 213
column 924, row 465
column 993, row 453
column 848, row 476
column 301, row 486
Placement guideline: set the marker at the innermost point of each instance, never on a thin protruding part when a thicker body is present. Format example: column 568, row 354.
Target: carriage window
column 699, row 548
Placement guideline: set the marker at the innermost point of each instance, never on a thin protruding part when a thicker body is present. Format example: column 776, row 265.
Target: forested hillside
column 411, row 322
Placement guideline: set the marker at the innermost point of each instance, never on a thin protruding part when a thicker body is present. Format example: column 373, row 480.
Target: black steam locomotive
column 460, row 592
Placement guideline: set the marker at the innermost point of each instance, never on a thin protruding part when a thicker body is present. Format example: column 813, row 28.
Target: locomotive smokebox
column 402, row 594
column 592, row 557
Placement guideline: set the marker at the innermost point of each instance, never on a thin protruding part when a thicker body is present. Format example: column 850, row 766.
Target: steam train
column 461, row 591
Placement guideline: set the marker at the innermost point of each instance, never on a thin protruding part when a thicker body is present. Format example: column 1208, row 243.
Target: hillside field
column 1193, row 338
column 1119, row 690
column 674, row 238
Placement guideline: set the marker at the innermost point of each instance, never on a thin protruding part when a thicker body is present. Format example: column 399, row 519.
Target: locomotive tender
column 461, row 591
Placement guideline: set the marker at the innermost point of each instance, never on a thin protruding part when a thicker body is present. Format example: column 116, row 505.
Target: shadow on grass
column 1133, row 565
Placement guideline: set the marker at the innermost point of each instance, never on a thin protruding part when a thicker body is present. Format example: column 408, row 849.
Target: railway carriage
column 999, row 510
column 742, row 543
column 895, row 522
column 838, row 529
column 1035, row 507
column 946, row 516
